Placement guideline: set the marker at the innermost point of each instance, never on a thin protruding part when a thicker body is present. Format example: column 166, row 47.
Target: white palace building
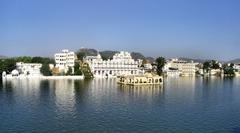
column 121, row 64
column 175, row 67
column 64, row 60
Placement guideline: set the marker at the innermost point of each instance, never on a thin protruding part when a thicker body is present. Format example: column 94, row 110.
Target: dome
column 14, row 72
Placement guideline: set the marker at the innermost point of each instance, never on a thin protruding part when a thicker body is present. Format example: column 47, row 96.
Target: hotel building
column 175, row 67
column 64, row 60
column 121, row 64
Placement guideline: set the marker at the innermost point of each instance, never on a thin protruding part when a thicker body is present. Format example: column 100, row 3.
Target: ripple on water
column 100, row 105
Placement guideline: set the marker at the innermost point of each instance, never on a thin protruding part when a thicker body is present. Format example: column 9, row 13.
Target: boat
column 143, row 79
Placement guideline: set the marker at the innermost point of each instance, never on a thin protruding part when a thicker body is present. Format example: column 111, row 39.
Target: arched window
column 136, row 81
column 160, row 80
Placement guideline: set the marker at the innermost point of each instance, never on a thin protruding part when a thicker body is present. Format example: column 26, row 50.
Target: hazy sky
column 170, row 28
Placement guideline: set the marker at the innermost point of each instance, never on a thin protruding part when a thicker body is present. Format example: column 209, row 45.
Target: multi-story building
column 175, row 67
column 65, row 60
column 121, row 64
column 28, row 69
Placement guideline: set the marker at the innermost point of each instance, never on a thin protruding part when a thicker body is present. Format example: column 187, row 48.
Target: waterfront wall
column 42, row 77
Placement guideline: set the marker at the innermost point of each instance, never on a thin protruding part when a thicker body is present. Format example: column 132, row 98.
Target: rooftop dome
column 14, row 72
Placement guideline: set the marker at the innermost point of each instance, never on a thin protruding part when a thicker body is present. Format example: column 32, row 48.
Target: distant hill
column 236, row 61
column 150, row 59
column 3, row 57
column 88, row 51
column 137, row 55
column 108, row 54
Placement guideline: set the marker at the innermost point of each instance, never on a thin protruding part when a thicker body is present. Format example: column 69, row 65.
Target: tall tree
column 215, row 64
column 160, row 64
column 45, row 70
column 77, row 70
column 70, row 71
column 206, row 66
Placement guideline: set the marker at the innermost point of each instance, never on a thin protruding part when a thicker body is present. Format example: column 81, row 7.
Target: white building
column 175, row 67
column 237, row 67
column 64, row 60
column 28, row 69
column 148, row 66
column 121, row 64
column 215, row 72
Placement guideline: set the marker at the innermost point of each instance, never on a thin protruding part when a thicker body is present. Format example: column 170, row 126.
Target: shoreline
column 43, row 77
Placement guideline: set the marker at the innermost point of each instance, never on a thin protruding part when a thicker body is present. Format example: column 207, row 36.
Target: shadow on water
column 80, row 88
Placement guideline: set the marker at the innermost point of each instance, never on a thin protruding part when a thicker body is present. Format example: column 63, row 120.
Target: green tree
column 7, row 65
column 70, row 71
column 45, row 70
column 81, row 55
column 214, row 64
column 77, row 70
column 228, row 69
column 25, row 59
column 207, row 66
column 42, row 60
column 160, row 64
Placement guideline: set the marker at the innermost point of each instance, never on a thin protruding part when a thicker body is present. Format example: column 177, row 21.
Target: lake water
column 100, row 105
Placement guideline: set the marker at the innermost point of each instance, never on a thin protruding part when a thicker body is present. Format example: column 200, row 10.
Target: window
column 136, row 81
column 160, row 80
column 150, row 80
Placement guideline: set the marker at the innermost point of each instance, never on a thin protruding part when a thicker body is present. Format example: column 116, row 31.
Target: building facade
column 30, row 69
column 121, row 64
column 237, row 67
column 65, row 60
column 145, row 79
column 175, row 67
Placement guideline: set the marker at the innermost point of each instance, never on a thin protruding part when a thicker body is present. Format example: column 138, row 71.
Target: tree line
column 9, row 64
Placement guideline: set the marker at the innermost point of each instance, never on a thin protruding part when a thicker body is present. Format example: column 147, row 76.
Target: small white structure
column 175, row 67
column 148, row 66
column 15, row 73
column 24, row 70
column 64, row 60
column 215, row 72
column 121, row 64
column 4, row 74
column 237, row 67
column 28, row 69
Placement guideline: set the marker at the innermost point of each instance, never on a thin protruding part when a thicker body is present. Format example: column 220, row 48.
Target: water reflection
column 142, row 91
column 64, row 94
column 103, row 105
column 180, row 90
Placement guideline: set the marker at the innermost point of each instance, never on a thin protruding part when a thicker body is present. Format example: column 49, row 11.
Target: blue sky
column 170, row 28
